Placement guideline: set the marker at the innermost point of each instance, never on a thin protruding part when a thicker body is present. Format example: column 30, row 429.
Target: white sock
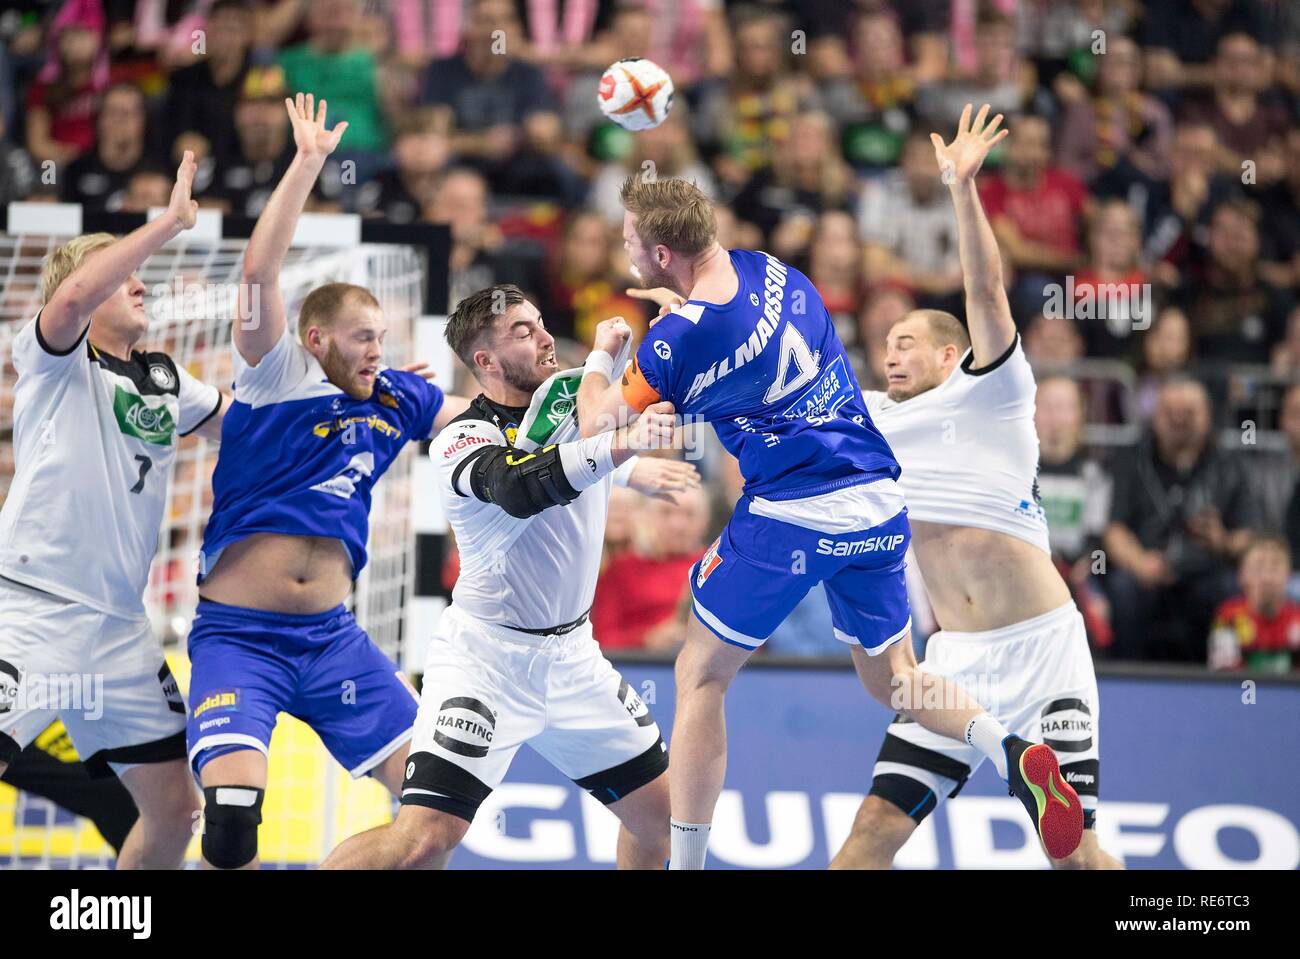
column 986, row 734
column 690, row 844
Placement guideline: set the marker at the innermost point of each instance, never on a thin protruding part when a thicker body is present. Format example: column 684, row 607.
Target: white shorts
column 1035, row 677
column 104, row 676
column 489, row 689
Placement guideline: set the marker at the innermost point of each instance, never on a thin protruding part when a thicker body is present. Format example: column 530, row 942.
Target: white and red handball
column 635, row 93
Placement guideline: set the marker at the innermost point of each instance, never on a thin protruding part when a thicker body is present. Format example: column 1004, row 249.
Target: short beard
column 337, row 372
column 653, row 277
column 526, row 379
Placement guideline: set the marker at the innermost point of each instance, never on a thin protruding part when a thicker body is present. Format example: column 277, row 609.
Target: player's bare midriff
column 282, row 574
column 978, row 579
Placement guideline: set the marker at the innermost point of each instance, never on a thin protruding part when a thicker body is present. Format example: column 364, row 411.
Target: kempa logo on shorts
column 1067, row 726
column 66, row 692
column 465, row 727
column 872, row 544
column 634, row 704
column 135, row 417
column 103, row 913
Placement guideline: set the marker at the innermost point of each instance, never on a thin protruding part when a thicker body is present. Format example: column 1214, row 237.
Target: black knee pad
column 231, row 815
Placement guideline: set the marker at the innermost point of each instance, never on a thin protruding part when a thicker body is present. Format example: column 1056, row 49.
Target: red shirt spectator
column 1046, row 212
column 1260, row 629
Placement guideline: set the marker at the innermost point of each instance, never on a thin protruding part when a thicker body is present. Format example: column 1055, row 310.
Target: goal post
column 191, row 297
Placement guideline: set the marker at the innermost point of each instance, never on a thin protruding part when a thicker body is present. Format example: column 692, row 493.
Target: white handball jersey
column 968, row 448
column 94, row 442
column 530, row 573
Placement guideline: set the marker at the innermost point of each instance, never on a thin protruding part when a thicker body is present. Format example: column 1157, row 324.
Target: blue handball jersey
column 300, row 457
column 769, row 372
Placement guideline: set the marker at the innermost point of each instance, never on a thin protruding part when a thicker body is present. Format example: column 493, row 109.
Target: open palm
column 309, row 133
column 961, row 159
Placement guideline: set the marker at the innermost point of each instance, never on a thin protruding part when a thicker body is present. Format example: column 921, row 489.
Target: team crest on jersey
column 387, row 399
column 162, row 377
column 11, row 678
column 711, row 561
column 511, row 433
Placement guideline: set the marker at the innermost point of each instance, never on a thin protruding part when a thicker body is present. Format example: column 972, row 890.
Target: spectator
column 497, row 102
column 835, row 268
column 1113, row 281
column 1175, row 211
column 666, row 151
column 874, row 104
column 17, row 172
column 1074, row 493
column 422, row 150
column 98, row 178
column 807, row 177
column 909, row 230
column 201, row 99
column 1166, row 352
column 263, row 150
column 1181, row 514
column 1280, row 246
column 1180, row 38
column 1036, row 209
column 1000, row 77
column 334, row 67
column 1053, row 343
column 1246, row 124
column 63, row 102
column 641, row 589
column 585, row 289
column 1259, row 629
column 1119, row 124
column 1279, row 474
column 740, row 121
column 1235, row 316
column 1286, row 355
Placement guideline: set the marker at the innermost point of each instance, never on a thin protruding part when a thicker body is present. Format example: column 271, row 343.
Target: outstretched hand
column 182, row 206
column 309, row 133
column 961, row 159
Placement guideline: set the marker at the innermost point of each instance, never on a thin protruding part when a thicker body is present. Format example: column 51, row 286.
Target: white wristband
column 587, row 461
column 598, row 361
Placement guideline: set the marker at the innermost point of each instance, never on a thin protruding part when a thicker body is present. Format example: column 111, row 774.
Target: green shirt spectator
column 347, row 80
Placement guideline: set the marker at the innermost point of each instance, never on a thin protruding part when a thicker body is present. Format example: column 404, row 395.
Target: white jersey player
column 514, row 659
column 959, row 415
column 96, row 423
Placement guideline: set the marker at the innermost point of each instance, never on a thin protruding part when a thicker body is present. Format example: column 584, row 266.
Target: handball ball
column 636, row 94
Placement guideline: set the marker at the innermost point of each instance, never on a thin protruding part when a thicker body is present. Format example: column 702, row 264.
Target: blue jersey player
column 316, row 420
column 744, row 341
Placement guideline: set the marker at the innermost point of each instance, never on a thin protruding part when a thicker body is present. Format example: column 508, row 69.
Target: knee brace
column 231, row 815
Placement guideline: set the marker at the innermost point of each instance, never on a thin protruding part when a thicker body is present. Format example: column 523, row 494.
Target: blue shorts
column 759, row 569
column 248, row 665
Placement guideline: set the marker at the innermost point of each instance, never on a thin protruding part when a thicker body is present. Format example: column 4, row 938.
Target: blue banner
column 1195, row 774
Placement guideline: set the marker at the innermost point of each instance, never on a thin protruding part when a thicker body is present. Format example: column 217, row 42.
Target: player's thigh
column 752, row 576
column 41, row 638
column 134, row 714
column 356, row 699
column 599, row 731
column 476, row 710
column 241, row 678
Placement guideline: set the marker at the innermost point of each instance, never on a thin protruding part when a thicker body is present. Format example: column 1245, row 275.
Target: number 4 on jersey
column 794, row 350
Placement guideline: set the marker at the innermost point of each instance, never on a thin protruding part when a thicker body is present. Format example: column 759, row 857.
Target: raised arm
column 988, row 314
column 261, row 321
column 64, row 319
column 601, row 406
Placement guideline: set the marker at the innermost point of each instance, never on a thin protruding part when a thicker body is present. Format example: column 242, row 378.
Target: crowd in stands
column 1147, row 203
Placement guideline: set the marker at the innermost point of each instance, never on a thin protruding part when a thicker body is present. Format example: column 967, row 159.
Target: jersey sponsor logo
column 222, row 699
column 171, row 691
column 557, row 406
column 373, row 422
column 1031, row 510
column 1066, row 725
column 162, row 377
column 821, row 402
column 11, row 678
column 634, row 704
column 465, row 727
column 464, row 442
column 710, row 561
column 135, row 417
column 663, row 350
column 852, row 547
column 768, row 321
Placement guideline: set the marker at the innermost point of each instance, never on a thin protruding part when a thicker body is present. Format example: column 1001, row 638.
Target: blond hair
column 63, row 262
column 321, row 306
column 672, row 211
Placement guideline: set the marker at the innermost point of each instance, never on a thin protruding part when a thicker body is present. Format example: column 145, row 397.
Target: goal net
column 311, row 803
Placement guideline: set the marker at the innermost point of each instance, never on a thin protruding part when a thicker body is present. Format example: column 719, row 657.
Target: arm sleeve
column 199, row 401
column 275, row 374
column 642, row 380
column 32, row 356
column 1006, row 382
